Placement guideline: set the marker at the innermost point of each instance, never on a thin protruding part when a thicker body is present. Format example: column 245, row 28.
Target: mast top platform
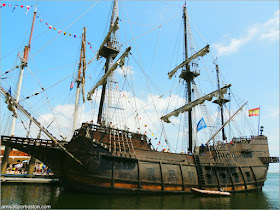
column 108, row 51
column 188, row 75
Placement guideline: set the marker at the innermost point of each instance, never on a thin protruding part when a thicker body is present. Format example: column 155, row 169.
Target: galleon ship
column 102, row 158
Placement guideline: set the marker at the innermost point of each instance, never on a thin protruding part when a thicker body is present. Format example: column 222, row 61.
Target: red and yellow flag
column 254, row 112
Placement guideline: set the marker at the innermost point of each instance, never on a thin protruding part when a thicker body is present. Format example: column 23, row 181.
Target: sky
column 243, row 38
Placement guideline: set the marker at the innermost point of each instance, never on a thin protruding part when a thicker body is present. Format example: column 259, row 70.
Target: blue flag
column 15, row 7
column 10, row 91
column 201, row 124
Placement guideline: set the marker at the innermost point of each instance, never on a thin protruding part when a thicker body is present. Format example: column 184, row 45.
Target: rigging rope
column 64, row 30
column 43, row 90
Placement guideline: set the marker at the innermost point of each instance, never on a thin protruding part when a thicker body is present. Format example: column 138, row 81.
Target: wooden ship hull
column 118, row 161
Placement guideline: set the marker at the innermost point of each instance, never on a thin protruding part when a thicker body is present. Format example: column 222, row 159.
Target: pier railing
column 28, row 141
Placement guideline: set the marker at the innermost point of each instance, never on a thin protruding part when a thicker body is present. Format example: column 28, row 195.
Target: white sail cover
column 194, row 103
column 120, row 62
column 202, row 52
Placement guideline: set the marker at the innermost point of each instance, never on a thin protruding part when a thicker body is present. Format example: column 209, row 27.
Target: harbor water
column 56, row 198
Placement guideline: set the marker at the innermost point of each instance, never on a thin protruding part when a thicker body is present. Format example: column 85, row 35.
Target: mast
column 188, row 81
column 22, row 66
column 221, row 101
column 222, row 115
column 80, row 79
column 109, row 52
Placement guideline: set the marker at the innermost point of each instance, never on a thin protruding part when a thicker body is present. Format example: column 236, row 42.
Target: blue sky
column 243, row 35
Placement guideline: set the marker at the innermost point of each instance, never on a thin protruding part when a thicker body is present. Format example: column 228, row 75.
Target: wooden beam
column 183, row 183
column 245, row 184
column 161, row 176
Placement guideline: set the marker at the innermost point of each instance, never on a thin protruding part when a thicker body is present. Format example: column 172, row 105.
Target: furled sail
column 120, row 62
column 201, row 53
column 194, row 103
column 113, row 28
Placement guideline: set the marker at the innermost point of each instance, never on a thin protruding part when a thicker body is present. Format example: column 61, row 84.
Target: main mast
column 188, row 76
column 110, row 51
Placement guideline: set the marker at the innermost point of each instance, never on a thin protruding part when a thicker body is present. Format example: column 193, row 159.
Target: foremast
column 17, row 94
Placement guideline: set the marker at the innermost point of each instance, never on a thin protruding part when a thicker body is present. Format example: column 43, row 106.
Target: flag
column 47, row 24
column 41, row 20
column 201, row 124
column 21, row 6
column 158, row 143
column 74, row 36
column 50, row 27
column 254, row 112
column 15, row 7
column 10, row 91
column 59, row 31
column 27, row 7
column 65, row 33
column 4, row 5
column 71, row 86
column 90, row 47
column 10, row 5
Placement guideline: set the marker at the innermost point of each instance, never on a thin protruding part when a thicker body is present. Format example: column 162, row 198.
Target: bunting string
column 42, row 21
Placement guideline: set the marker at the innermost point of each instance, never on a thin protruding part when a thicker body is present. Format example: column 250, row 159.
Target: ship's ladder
column 245, row 145
column 120, row 144
column 199, row 172
column 129, row 142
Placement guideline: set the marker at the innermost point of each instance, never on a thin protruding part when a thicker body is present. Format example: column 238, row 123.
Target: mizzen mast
column 221, row 101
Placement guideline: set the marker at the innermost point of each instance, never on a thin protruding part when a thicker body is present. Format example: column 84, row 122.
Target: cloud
column 268, row 30
column 126, row 70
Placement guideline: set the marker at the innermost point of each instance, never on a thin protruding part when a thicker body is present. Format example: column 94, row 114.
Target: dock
column 28, row 179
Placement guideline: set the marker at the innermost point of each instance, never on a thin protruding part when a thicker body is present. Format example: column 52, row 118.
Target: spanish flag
column 254, row 112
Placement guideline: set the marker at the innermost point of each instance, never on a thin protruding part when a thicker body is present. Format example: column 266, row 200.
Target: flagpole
column 259, row 120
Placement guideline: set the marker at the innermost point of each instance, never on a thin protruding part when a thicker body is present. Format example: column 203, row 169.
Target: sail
column 103, row 80
column 202, row 52
column 194, row 103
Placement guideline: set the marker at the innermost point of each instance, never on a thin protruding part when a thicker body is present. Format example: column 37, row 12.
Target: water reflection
column 253, row 200
column 58, row 198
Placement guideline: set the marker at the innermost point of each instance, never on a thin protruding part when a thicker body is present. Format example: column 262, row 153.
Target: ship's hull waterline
column 114, row 167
